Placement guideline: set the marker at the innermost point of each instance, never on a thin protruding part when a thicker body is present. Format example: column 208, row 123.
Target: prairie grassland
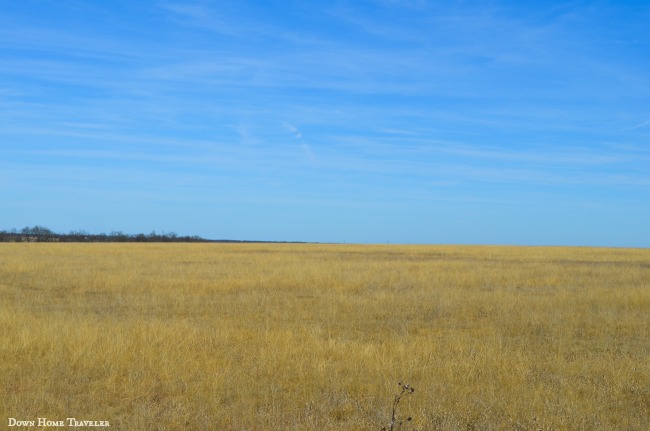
column 316, row 337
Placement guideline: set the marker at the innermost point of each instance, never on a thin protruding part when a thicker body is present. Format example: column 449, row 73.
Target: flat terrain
column 316, row 337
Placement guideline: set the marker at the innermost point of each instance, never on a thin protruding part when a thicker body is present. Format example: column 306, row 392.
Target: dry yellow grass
column 316, row 337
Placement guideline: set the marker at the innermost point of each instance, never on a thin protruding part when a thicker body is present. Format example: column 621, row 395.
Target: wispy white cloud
column 640, row 125
column 306, row 149
column 294, row 130
column 204, row 16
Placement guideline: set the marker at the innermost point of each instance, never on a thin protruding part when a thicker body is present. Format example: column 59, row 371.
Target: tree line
column 43, row 234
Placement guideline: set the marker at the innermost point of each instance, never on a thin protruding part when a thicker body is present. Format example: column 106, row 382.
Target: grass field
column 316, row 337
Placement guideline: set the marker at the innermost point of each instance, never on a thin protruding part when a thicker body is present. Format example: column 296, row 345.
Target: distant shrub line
column 43, row 234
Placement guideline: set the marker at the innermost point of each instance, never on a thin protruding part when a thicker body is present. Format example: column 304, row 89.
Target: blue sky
column 402, row 121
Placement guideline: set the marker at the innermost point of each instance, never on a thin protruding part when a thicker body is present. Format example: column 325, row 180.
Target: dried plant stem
column 406, row 390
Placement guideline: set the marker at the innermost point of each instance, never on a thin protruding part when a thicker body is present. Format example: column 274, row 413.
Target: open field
column 316, row 337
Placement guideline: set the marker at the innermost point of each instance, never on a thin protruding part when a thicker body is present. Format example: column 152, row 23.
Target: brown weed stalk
column 406, row 390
